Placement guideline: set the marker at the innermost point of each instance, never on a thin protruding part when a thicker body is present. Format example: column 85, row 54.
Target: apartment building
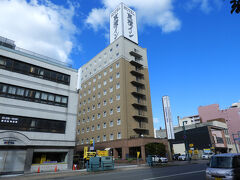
column 38, row 105
column 189, row 120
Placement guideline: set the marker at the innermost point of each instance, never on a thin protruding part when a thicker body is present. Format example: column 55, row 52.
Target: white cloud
column 151, row 12
column 205, row 5
column 39, row 26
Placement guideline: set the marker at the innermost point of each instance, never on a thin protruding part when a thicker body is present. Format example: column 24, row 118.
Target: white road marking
column 160, row 177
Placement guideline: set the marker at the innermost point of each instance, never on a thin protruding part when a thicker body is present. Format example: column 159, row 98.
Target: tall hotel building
column 38, row 104
column 114, row 94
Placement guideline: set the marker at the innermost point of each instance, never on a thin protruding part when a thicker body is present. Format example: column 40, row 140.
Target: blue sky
column 192, row 45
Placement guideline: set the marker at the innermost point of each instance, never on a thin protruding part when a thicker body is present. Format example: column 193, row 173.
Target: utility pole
column 185, row 141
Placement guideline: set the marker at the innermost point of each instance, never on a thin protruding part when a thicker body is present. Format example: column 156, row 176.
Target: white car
column 182, row 157
column 159, row 159
column 207, row 155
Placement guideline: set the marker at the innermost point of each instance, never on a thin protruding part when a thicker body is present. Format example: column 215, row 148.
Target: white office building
column 38, row 105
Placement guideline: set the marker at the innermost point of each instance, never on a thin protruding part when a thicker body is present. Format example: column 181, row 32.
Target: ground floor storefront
column 127, row 148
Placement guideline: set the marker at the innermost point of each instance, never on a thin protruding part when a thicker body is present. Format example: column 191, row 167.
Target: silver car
column 224, row 166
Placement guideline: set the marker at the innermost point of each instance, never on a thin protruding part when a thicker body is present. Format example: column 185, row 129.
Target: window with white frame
column 111, row 79
column 111, row 123
column 93, row 128
column 104, row 92
column 83, row 120
column 98, row 139
column 89, row 100
column 104, row 125
column 111, row 100
column 82, row 130
column 93, row 107
column 88, row 109
column 80, row 104
column 85, row 85
column 117, row 85
column 94, row 88
column 118, row 75
column 104, row 114
column 83, row 111
column 78, row 122
column 99, row 105
column 99, row 76
column 84, row 94
column 118, row 97
column 111, row 137
column 104, row 82
column 88, row 119
column 93, row 117
column 82, row 141
column 98, row 127
column 78, row 131
column 89, row 91
column 99, row 95
column 84, row 102
column 89, row 83
column 104, row 138
column 79, row 113
column 87, row 129
column 80, row 96
column 87, row 141
column 104, row 102
column 119, row 122
column 111, row 68
column 117, row 65
column 93, row 98
column 105, row 73
column 118, row 109
column 117, row 54
column 119, row 135
column 94, row 79
column 111, row 89
column 98, row 115
column 99, row 85
column 111, row 111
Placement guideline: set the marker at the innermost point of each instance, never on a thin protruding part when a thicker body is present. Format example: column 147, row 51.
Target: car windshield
column 221, row 162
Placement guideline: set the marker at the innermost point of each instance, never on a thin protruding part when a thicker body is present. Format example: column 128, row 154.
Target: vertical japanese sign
column 168, row 117
column 123, row 22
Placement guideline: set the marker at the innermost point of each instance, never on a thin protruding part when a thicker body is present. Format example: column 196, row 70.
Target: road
column 191, row 171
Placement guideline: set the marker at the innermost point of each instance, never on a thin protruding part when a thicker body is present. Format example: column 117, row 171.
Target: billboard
column 123, row 22
column 168, row 117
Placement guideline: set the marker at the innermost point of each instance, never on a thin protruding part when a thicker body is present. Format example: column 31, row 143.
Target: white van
column 224, row 166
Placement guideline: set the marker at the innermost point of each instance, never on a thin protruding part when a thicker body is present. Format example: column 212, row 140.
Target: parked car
column 163, row 159
column 175, row 156
column 159, row 159
column 224, row 166
column 182, row 157
column 207, row 155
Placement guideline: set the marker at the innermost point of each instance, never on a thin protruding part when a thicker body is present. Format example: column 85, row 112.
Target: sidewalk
column 69, row 173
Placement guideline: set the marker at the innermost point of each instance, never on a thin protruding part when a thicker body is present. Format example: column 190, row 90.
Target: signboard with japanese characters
column 123, row 22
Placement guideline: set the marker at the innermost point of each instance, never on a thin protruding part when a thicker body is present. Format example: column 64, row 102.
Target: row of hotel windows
column 99, row 66
column 26, row 94
column 98, row 126
column 32, row 70
column 20, row 123
column 104, row 91
column 99, row 105
column 104, row 138
column 99, row 114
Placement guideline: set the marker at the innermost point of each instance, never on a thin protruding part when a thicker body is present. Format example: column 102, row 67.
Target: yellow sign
column 190, row 151
column 190, row 145
column 102, row 153
column 195, row 151
column 85, row 151
column 91, row 142
column 138, row 154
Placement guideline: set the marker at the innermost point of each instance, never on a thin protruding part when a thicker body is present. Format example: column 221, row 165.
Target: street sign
column 195, row 151
column 138, row 153
column 190, row 145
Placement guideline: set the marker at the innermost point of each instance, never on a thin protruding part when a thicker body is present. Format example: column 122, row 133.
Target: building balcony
column 141, row 130
column 139, row 106
column 137, row 73
column 135, row 54
column 137, row 83
column 140, row 118
column 139, row 94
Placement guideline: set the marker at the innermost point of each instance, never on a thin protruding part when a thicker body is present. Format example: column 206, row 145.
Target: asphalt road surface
column 184, row 172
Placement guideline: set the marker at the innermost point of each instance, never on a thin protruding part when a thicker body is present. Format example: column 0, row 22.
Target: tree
column 235, row 6
column 155, row 149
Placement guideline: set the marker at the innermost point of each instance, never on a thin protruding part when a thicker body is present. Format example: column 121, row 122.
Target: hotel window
column 83, row 121
column 87, row 141
column 84, row 94
column 119, row 136
column 111, row 137
column 93, row 128
column 119, row 122
column 78, row 131
column 98, row 139
column 83, row 111
column 117, row 54
column 99, row 95
column 111, row 50
column 84, row 102
column 99, row 105
column 89, row 83
column 85, row 85
column 104, row 102
column 118, row 109
column 104, row 82
column 117, row 65
column 80, row 96
column 89, row 91
column 93, row 117
column 87, row 129
column 104, row 114
column 111, row 89
column 89, row 100
column 88, row 119
column 98, row 115
column 104, row 92
column 82, row 141
column 104, row 125
column 93, row 98
column 104, row 137
column 98, row 127
column 111, row 79
column 118, row 75
column 111, row 68
column 117, row 85
column 88, row 109
column 111, row 123
column 80, row 104
column 93, row 107
column 99, row 76
column 118, row 97
column 111, row 111
column 99, row 85
column 82, row 130
column 111, row 100
column 94, row 79
column 79, row 113
column 78, row 122
column 94, row 88
column 105, row 73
